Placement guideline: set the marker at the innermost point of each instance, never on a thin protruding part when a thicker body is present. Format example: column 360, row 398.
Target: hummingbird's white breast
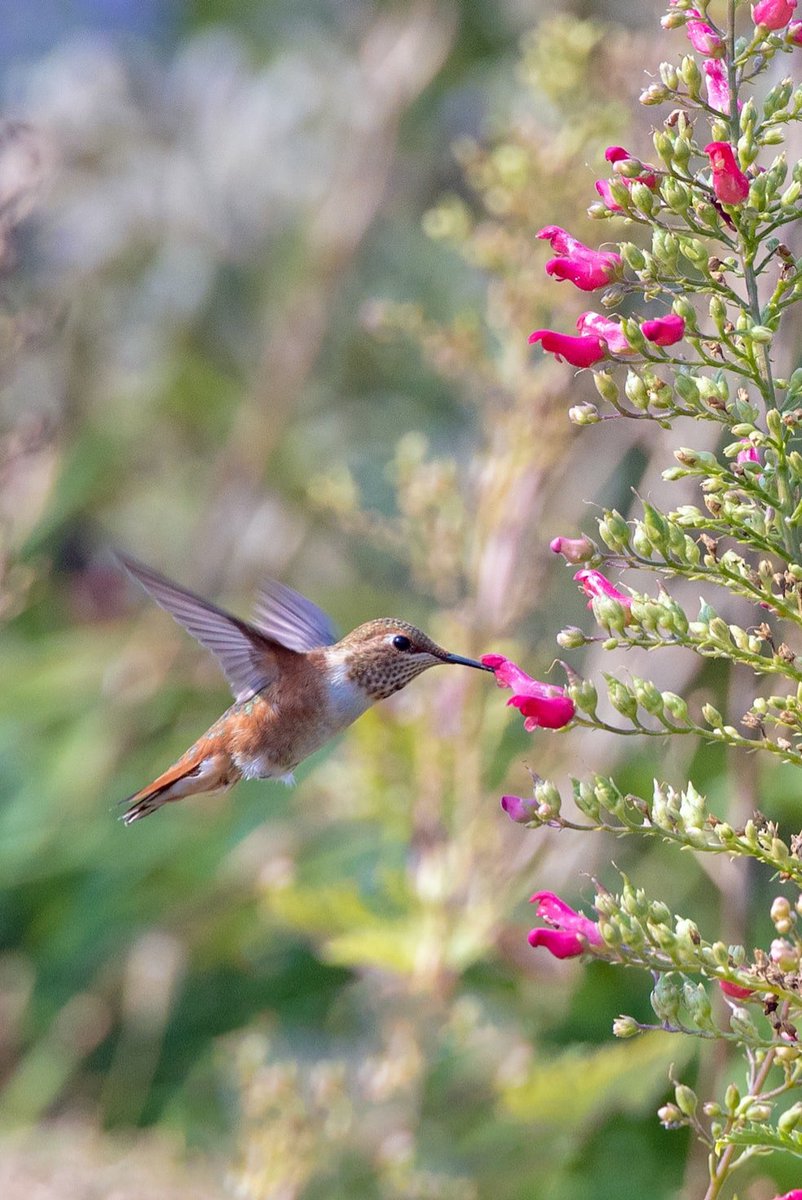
column 345, row 699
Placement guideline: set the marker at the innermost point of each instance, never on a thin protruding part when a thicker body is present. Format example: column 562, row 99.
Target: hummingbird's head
column 383, row 656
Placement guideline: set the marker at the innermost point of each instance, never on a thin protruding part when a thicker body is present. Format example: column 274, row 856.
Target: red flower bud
column 664, row 331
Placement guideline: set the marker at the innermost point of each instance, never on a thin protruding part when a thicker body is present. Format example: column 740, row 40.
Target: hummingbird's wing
column 246, row 654
column 290, row 619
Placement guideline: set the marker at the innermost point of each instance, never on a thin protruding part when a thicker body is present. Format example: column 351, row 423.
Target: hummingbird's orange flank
column 295, row 686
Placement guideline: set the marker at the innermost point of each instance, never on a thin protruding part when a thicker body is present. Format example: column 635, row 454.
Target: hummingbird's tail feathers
column 190, row 776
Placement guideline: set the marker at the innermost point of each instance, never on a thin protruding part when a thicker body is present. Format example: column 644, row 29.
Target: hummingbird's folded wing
column 245, row 653
column 290, row 619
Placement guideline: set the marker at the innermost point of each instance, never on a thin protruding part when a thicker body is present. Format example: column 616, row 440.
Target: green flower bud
column 665, row 998
column 676, row 194
column 648, row 697
column 668, row 72
column 656, row 527
column 635, row 390
column 584, row 695
column 691, row 76
column 675, row 706
column 758, row 1113
column 621, row 698
column 686, row 1099
column 585, row 799
column 663, row 142
column 712, row 716
column 571, row 638
column 606, row 386
column 760, row 334
column 655, row 93
column 718, row 314
column 791, row 194
column 633, row 256
column 777, row 98
column 641, row 543
column 686, row 388
column 698, row 1004
column 625, row 1027
column 695, row 251
column 790, row 1119
column 584, row 414
column 643, row 198
column 781, row 914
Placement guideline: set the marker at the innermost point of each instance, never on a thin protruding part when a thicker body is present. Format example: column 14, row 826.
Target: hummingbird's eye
column 402, row 643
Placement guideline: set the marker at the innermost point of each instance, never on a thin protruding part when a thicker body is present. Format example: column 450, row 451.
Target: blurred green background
column 267, row 275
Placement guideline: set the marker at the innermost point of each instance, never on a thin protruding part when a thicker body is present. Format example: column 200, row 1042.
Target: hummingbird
column 295, row 685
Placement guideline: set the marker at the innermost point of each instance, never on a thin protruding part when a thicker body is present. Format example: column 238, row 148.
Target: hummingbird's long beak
column 466, row 662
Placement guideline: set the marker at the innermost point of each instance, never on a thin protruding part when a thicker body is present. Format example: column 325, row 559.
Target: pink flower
column 794, row 33
column 594, row 584
column 544, row 705
column 796, row 1194
column 571, row 933
column 609, row 332
column 717, row 84
column 773, row 14
column 574, row 550
column 734, row 990
column 518, row 810
column 587, row 269
column 664, row 331
column 603, row 188
column 749, row 453
column 703, row 37
column 578, row 351
column 729, row 182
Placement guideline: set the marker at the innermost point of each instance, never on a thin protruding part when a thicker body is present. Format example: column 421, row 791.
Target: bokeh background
column 268, row 269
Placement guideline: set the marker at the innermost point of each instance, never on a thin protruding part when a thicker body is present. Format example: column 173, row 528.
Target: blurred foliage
column 229, row 344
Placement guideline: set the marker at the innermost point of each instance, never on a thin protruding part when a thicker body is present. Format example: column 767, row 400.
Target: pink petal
column 664, row 331
column 558, row 943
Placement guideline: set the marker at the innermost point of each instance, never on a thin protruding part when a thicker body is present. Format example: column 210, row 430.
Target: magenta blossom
column 594, row 584
column 571, row 933
column 717, row 84
column 729, row 182
column 573, row 550
column 609, row 331
column 795, row 1194
column 734, row 990
column 578, row 351
column 664, row 331
column 605, row 191
column 703, row 37
column 587, row 269
column 518, row 810
column 773, row 14
column 794, row 33
column 749, row 453
column 543, row 705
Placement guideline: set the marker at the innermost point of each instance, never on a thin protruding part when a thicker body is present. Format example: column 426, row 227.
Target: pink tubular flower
column 703, row 37
column 604, row 190
column 773, row 14
column 794, row 33
column 518, row 810
column 729, row 182
column 594, row 584
column 717, row 84
column 749, row 453
column 795, row 1194
column 578, row 351
column 602, row 327
column 571, row 933
column 734, row 990
column 664, row 331
column 543, row 705
column 587, row 269
column 573, row 550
